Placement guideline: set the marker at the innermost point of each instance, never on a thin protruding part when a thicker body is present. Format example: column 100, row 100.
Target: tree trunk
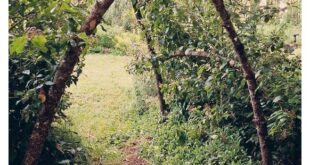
column 48, row 109
column 258, row 118
column 155, row 65
column 95, row 17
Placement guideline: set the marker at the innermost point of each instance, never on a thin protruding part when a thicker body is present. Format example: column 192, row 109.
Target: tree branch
column 188, row 53
column 191, row 53
column 95, row 17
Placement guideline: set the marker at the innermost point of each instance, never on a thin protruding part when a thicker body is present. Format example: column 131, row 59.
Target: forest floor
column 100, row 102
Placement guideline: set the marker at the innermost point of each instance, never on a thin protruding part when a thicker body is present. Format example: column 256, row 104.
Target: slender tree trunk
column 258, row 118
column 48, row 108
column 155, row 65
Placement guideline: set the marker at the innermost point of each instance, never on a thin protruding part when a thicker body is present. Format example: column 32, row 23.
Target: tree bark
column 95, row 17
column 188, row 53
column 155, row 65
column 258, row 115
column 48, row 108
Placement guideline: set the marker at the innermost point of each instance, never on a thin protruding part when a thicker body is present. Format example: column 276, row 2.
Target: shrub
column 106, row 41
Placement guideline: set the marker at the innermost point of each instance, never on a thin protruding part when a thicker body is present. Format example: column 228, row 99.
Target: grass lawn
column 100, row 101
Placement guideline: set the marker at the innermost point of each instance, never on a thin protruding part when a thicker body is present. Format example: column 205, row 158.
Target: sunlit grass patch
column 99, row 101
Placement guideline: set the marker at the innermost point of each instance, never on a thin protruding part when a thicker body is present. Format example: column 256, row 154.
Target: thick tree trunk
column 159, row 80
column 258, row 119
column 48, row 109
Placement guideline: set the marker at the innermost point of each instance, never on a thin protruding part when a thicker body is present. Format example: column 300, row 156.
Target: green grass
column 100, row 102
column 105, row 108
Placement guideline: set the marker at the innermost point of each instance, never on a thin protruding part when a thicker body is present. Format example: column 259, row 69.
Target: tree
column 155, row 65
column 258, row 116
column 48, row 108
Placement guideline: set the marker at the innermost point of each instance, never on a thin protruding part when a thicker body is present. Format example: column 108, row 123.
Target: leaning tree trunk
column 155, row 65
column 258, row 118
column 48, row 108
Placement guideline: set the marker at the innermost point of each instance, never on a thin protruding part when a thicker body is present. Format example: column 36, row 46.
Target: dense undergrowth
column 211, row 119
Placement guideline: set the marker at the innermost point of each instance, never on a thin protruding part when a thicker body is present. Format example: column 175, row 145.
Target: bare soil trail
column 132, row 157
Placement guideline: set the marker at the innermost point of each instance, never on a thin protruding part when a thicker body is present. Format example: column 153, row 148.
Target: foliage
column 39, row 35
column 102, row 42
column 224, row 98
column 195, row 141
column 119, row 39
column 63, row 146
column 115, row 41
column 124, row 19
column 211, row 117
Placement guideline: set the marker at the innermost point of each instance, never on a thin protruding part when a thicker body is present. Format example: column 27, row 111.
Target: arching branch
column 188, row 53
column 191, row 53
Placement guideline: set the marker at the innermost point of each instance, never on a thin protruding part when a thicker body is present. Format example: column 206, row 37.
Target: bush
column 106, row 41
column 101, row 43
column 23, row 105
column 116, row 40
column 64, row 147
column 95, row 49
column 195, row 141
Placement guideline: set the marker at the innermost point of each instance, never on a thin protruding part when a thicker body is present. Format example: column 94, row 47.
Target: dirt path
column 100, row 102
column 131, row 155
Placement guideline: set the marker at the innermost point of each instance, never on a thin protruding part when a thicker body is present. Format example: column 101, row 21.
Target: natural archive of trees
column 228, row 92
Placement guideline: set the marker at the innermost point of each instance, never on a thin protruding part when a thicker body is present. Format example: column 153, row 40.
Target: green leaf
column 49, row 83
column 214, row 136
column 73, row 43
column 26, row 72
column 83, row 36
column 67, row 161
column 39, row 42
column 208, row 83
column 258, row 73
column 18, row 45
column 277, row 99
column 200, row 70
